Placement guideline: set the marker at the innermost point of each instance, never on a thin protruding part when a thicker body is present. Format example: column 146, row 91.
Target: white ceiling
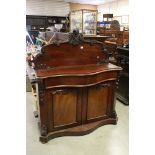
column 93, row 2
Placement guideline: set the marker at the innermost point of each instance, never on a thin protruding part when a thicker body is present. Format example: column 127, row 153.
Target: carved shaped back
column 66, row 54
column 76, row 51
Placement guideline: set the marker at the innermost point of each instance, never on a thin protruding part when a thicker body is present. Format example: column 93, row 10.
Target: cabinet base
column 78, row 130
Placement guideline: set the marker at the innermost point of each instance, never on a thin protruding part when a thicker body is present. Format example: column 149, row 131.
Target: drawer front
column 79, row 81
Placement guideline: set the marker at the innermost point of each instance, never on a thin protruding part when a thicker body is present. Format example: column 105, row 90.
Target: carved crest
column 75, row 38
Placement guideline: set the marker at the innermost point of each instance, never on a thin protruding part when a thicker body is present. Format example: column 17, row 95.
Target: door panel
column 66, row 105
column 98, row 101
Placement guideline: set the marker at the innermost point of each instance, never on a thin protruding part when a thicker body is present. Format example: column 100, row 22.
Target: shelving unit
column 84, row 20
column 107, row 19
column 35, row 23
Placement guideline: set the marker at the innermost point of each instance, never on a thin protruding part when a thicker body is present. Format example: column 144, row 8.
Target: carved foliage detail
column 117, row 82
column 43, row 130
column 42, row 66
column 114, row 115
column 41, row 91
column 41, row 97
column 106, row 52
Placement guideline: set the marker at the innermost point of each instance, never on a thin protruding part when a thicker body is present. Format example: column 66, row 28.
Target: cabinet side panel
column 65, row 108
column 97, row 102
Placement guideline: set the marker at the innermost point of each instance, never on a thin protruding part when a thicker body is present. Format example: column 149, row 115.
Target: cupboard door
column 98, row 101
column 66, row 108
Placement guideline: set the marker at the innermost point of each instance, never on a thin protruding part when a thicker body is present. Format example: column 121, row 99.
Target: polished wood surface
column 90, row 69
column 75, row 88
column 66, row 55
column 64, row 107
column 79, row 80
column 97, row 99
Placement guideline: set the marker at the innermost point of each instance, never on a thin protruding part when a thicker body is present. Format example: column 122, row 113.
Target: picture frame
column 125, row 19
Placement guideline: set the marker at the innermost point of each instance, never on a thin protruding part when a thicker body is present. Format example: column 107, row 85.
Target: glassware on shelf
column 84, row 20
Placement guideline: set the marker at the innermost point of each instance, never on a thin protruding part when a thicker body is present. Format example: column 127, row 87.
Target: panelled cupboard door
column 99, row 101
column 64, row 108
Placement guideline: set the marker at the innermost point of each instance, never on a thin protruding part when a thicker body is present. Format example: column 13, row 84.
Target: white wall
column 117, row 7
column 47, row 7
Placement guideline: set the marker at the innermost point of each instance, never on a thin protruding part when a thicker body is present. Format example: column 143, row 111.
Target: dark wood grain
column 69, row 55
column 76, row 70
column 76, row 90
column 65, row 107
column 97, row 102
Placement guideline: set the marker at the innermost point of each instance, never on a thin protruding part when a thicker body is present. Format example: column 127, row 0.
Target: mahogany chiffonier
column 75, row 88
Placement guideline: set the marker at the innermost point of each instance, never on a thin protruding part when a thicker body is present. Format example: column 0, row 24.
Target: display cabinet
column 122, row 57
column 84, row 20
